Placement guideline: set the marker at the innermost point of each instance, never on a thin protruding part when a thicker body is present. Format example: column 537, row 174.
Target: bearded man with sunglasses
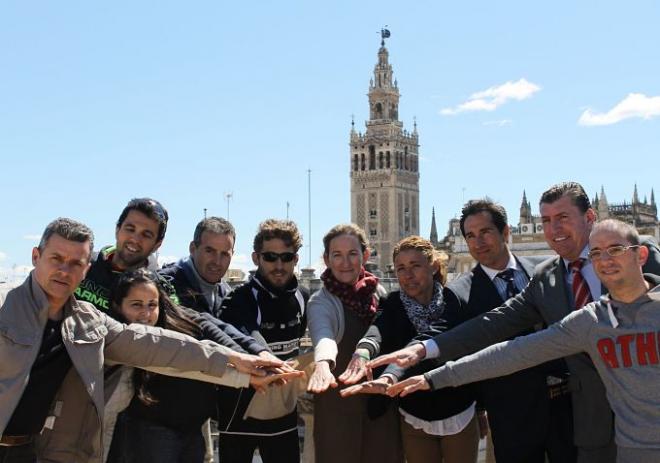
column 269, row 307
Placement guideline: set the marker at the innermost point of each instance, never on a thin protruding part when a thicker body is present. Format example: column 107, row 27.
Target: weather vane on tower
column 384, row 34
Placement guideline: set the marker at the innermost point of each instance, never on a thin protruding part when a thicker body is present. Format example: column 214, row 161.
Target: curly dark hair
column 286, row 230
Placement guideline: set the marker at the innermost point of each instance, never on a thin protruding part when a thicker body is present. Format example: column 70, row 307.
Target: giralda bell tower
column 384, row 167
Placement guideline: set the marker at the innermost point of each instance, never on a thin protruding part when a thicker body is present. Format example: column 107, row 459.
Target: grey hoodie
column 623, row 340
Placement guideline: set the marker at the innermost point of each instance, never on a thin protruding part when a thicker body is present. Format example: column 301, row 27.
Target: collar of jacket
column 290, row 288
column 19, row 324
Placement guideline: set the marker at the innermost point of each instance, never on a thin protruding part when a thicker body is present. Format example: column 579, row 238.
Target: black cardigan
column 392, row 330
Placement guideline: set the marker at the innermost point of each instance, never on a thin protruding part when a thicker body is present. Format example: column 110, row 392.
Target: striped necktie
column 581, row 293
column 507, row 276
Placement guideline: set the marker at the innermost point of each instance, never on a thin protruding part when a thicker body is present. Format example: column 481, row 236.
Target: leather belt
column 557, row 387
column 15, row 441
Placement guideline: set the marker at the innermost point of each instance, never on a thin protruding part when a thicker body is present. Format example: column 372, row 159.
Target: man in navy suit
column 552, row 293
column 529, row 412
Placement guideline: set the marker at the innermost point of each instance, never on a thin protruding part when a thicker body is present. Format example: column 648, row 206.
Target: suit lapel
column 558, row 291
column 526, row 265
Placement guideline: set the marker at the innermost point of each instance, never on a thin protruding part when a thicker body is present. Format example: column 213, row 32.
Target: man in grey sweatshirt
column 620, row 332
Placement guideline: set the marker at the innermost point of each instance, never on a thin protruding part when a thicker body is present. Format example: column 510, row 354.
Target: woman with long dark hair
column 165, row 413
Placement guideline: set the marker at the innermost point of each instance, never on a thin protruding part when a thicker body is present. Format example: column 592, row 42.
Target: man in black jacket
column 271, row 308
column 198, row 284
column 529, row 412
column 139, row 233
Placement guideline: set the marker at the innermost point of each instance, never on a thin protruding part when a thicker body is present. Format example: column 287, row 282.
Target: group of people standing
column 107, row 359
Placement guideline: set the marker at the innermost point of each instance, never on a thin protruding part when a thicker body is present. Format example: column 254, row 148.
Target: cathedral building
column 384, row 164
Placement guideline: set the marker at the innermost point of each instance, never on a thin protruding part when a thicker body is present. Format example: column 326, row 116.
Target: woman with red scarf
column 357, row 429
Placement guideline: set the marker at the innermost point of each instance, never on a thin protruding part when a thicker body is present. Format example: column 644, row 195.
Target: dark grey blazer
column 545, row 300
column 518, row 404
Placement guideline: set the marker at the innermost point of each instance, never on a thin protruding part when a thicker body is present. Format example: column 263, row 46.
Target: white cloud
column 500, row 123
column 633, row 105
column 3, row 256
column 32, row 237
column 493, row 97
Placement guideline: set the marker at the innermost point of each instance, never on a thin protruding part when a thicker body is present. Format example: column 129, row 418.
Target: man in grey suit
column 558, row 286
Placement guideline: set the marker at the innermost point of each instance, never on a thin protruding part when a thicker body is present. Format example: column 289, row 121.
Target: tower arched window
column 379, row 111
column 405, row 161
column 393, row 113
column 355, row 162
column 372, row 158
column 380, row 160
column 362, row 166
column 387, row 160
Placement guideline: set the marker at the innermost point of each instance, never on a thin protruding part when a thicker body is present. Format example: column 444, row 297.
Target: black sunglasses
column 285, row 257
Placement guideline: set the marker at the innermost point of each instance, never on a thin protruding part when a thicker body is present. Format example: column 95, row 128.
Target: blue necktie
column 507, row 276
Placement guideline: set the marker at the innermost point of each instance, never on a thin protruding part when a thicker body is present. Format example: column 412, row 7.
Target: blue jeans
column 150, row 442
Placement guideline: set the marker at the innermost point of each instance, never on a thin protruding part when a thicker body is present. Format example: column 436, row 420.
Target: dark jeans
column 282, row 448
column 119, row 451
column 148, row 442
column 19, row 454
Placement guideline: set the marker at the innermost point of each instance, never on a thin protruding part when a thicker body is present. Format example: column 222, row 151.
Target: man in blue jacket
column 197, row 279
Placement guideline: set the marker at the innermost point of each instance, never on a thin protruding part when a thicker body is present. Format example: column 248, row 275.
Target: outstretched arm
column 565, row 337
column 226, row 334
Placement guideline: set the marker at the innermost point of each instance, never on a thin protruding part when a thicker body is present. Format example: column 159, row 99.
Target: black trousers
column 558, row 445
column 18, row 454
column 239, row 448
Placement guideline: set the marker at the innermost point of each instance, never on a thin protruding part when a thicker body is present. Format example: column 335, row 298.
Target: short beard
column 137, row 262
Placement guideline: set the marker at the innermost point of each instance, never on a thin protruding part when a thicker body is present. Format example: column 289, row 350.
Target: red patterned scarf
column 359, row 297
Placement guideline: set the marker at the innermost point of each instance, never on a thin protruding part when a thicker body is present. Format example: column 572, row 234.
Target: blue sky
column 186, row 102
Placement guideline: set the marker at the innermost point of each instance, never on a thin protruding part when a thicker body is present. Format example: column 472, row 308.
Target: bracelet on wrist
column 361, row 355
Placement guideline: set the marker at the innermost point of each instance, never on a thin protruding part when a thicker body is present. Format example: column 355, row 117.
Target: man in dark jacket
column 197, row 279
column 139, row 233
column 198, row 285
column 271, row 308
column 529, row 412
column 197, row 282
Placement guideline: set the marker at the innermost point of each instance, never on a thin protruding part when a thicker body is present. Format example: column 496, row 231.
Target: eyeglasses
column 612, row 251
column 285, row 257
